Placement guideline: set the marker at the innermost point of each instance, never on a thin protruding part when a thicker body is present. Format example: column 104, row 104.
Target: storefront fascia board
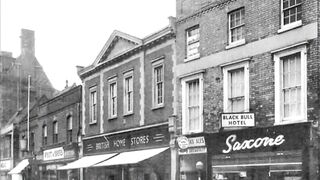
column 152, row 137
column 251, row 140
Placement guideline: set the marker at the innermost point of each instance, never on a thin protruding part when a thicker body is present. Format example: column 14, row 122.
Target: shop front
column 193, row 157
column 285, row 152
column 5, row 167
column 52, row 159
column 132, row 155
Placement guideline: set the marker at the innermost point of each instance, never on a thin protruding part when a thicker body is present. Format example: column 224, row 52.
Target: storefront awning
column 87, row 161
column 131, row 157
column 17, row 170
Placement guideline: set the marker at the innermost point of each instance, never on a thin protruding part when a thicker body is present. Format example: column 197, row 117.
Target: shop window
column 291, row 85
column 55, row 132
column 69, row 128
column 192, row 103
column 93, row 105
column 192, row 42
column 236, row 27
column 112, row 100
column 44, row 135
column 291, row 14
column 236, row 87
column 128, row 93
column 158, row 84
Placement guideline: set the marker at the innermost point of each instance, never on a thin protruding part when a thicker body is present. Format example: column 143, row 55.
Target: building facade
column 59, row 126
column 14, row 74
column 127, row 102
column 50, row 138
column 247, row 86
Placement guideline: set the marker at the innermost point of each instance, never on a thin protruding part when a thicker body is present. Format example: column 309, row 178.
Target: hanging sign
column 237, row 120
column 5, row 165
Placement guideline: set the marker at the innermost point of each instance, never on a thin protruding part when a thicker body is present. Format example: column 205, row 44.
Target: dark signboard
column 154, row 136
column 268, row 139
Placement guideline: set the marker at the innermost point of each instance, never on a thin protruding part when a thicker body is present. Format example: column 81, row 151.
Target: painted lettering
column 234, row 145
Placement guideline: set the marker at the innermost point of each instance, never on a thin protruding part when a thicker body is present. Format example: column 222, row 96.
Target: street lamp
column 199, row 167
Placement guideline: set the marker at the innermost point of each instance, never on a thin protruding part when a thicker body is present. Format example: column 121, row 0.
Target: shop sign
column 53, row 154
column 69, row 154
column 237, row 120
column 5, row 165
column 195, row 150
column 183, row 142
column 154, row 136
column 269, row 139
column 197, row 141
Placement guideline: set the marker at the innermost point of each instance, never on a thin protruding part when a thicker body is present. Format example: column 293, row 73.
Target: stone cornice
column 204, row 10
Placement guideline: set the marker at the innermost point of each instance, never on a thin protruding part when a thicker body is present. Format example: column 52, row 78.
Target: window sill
column 128, row 114
column 157, row 107
column 192, row 132
column 292, row 121
column 290, row 26
column 93, row 123
column 112, row 118
column 194, row 57
column 236, row 44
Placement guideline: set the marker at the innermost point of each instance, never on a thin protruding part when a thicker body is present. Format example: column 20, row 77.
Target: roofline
column 145, row 42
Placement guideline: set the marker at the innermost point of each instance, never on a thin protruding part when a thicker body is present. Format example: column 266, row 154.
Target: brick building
column 247, row 87
column 127, row 101
column 14, row 78
column 54, row 129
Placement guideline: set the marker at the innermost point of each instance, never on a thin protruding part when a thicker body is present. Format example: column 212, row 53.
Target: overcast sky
column 72, row 32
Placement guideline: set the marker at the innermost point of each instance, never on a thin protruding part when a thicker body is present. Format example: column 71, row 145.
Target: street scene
column 224, row 90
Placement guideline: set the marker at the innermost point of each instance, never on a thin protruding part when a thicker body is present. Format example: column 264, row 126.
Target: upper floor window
column 291, row 85
column 236, row 87
column 55, row 132
column 193, row 42
column 192, row 104
column 236, row 27
column 112, row 83
column 44, row 135
column 93, row 105
column 291, row 12
column 128, row 92
column 32, row 143
column 69, row 128
column 158, row 84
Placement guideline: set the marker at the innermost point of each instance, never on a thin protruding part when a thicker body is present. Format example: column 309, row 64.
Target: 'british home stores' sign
column 237, row 120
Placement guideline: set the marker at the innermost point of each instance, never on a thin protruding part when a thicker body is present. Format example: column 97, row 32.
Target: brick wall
column 262, row 21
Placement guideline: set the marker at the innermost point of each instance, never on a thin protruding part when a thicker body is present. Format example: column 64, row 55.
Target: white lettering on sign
column 234, row 145
column 119, row 143
column 52, row 154
column 238, row 120
column 140, row 140
column 5, row 165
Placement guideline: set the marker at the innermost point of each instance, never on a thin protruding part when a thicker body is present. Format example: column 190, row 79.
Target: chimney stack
column 27, row 42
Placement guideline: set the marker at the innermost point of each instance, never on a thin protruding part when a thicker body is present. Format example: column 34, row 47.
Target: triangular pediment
column 117, row 44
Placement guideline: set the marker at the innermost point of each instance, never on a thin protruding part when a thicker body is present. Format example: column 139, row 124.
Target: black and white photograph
column 160, row 90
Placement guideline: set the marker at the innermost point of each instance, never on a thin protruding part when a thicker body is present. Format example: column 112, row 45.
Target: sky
column 72, row 32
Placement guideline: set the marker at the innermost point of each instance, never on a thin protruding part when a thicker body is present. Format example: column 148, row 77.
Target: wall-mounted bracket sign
column 237, row 120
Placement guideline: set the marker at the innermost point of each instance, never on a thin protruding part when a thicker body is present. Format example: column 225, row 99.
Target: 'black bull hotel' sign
column 268, row 139
column 155, row 136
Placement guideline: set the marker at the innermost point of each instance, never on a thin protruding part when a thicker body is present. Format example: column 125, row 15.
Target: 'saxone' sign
column 263, row 139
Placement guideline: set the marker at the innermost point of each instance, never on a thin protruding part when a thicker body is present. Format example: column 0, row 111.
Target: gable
column 118, row 46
